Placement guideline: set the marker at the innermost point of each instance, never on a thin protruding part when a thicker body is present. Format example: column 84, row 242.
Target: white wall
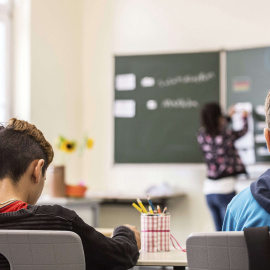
column 56, row 73
column 181, row 25
column 73, row 44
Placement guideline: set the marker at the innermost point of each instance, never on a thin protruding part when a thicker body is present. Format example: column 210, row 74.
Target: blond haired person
column 251, row 207
column 24, row 157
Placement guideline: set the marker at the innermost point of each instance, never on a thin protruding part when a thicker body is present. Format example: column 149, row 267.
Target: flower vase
column 56, row 178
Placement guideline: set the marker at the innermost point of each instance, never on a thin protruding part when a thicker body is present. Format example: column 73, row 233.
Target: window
column 5, row 57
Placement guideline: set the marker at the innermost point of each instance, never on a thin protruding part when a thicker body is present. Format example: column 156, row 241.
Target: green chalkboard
column 157, row 105
column 248, row 80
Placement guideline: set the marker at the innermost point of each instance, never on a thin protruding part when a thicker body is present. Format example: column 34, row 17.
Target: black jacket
column 117, row 253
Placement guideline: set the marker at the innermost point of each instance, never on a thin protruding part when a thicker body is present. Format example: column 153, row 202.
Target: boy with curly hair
column 24, row 158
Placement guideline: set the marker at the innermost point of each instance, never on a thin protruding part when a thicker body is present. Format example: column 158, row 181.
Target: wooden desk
column 175, row 258
column 105, row 231
column 96, row 198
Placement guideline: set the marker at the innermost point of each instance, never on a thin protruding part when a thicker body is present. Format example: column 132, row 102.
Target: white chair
column 217, row 250
column 42, row 250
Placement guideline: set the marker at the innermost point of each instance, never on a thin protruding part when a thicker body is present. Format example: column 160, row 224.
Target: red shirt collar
column 14, row 206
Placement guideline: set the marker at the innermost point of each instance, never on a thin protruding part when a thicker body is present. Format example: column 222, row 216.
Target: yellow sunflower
column 89, row 143
column 68, row 146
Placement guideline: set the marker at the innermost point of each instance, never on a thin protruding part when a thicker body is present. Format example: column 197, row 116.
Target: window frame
column 6, row 18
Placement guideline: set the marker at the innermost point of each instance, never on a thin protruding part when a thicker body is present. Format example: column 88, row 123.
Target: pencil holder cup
column 155, row 232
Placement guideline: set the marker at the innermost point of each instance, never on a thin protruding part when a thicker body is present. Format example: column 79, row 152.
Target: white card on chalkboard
column 260, row 110
column 151, row 104
column 261, row 125
column 124, row 108
column 125, row 82
column 262, row 151
column 259, row 138
column 247, row 155
column 148, row 82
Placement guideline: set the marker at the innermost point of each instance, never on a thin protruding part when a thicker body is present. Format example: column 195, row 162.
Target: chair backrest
column 217, row 250
column 46, row 250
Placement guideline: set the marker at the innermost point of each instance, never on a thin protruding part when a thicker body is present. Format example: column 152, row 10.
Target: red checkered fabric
column 155, row 233
column 164, row 233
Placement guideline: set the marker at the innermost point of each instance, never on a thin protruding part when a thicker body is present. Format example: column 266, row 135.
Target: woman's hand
column 231, row 111
column 245, row 114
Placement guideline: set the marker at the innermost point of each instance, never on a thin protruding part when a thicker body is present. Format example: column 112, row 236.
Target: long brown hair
column 210, row 118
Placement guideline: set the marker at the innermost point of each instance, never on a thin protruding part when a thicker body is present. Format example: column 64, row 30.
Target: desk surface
column 65, row 201
column 171, row 258
column 105, row 231
column 100, row 196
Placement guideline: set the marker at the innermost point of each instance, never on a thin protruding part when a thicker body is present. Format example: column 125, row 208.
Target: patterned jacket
column 220, row 154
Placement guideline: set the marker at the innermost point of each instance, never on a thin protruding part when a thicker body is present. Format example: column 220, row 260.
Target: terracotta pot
column 56, row 178
column 75, row 191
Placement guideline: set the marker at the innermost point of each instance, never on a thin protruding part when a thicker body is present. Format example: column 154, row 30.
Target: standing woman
column 222, row 159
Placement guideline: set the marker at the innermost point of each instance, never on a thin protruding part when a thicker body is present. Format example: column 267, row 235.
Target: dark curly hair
column 210, row 118
column 20, row 144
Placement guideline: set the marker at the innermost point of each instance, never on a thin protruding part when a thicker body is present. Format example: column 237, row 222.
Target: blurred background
column 57, row 71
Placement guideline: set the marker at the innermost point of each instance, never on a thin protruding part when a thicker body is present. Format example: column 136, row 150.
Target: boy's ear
column 267, row 137
column 38, row 169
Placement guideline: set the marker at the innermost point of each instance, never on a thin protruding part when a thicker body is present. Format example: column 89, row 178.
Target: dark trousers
column 218, row 205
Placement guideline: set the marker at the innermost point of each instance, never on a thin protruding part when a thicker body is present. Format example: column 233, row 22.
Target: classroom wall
column 73, row 43
column 146, row 27
column 56, row 74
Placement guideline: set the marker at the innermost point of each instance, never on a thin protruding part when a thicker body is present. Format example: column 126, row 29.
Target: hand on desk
column 137, row 234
